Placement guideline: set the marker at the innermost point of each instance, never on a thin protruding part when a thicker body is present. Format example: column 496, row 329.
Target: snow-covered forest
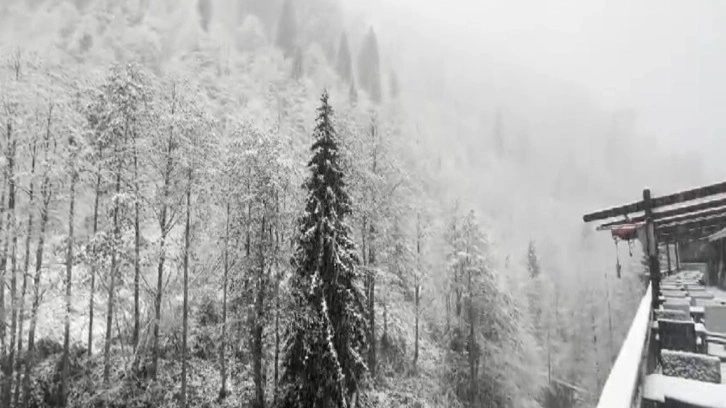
column 301, row 203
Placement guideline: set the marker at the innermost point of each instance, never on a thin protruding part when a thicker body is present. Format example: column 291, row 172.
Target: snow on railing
column 622, row 383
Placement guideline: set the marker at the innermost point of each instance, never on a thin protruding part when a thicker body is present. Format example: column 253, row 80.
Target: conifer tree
column 298, row 70
column 535, row 293
column 205, row 13
column 344, row 65
column 352, row 93
column 369, row 73
column 287, row 29
column 532, row 261
column 323, row 358
column 394, row 87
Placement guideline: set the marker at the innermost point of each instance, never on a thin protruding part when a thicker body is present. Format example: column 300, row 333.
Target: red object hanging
column 626, row 232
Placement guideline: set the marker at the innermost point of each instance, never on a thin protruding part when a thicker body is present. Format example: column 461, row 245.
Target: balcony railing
column 623, row 386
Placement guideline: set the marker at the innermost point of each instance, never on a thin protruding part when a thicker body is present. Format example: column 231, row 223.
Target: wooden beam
column 699, row 234
column 652, row 247
column 678, row 255
column 695, row 223
column 689, row 234
column 671, row 212
column 614, row 212
column 717, row 235
column 692, row 216
column 688, row 195
column 672, row 199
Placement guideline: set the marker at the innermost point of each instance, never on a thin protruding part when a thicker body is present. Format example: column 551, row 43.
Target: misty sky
column 664, row 58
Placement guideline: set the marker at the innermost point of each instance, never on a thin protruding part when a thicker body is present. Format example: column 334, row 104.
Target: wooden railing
column 622, row 388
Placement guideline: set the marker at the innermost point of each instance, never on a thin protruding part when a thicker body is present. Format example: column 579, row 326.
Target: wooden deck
column 664, row 223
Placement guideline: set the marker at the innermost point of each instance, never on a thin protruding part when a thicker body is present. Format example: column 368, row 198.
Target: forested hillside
column 162, row 171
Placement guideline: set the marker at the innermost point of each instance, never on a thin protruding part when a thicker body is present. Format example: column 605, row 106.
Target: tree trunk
column 279, row 237
column 549, row 358
column 448, row 312
column 164, row 225
column 92, row 292
column 137, row 259
column 185, row 317
column 223, row 346
column 112, row 286
column 372, row 261
column 46, row 193
column 258, row 324
column 3, row 265
column 8, row 364
column 248, row 241
column 372, row 303
column 596, row 353
column 363, row 247
column 417, row 290
column 69, row 284
column 26, row 269
column 611, row 355
column 473, row 348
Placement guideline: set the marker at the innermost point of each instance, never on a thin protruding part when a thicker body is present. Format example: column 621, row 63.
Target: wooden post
column 668, row 257
column 652, row 248
column 678, row 255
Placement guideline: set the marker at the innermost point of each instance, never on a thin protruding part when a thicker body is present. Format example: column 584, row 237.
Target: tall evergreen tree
column 369, row 71
column 204, row 7
column 394, row 87
column 344, row 65
column 532, row 261
column 298, row 69
column 287, row 29
column 535, row 293
column 352, row 93
column 323, row 359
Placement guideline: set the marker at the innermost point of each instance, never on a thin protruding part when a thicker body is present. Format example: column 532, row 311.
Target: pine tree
column 394, row 87
column 323, row 359
column 298, row 69
column 369, row 73
column 535, row 293
column 204, row 7
column 287, row 29
column 344, row 65
column 532, row 261
column 353, row 93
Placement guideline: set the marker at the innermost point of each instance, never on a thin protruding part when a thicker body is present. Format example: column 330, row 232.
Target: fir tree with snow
column 344, row 67
column 287, row 30
column 369, row 71
column 532, row 261
column 323, row 361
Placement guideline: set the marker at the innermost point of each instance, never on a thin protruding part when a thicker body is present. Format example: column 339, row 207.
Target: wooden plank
column 685, row 231
column 688, row 195
column 706, row 205
column 693, row 216
column 614, row 212
column 671, row 199
column 695, row 234
column 695, row 223
column 652, row 246
column 720, row 234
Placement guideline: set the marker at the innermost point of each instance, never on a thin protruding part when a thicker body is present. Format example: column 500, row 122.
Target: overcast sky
column 664, row 58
